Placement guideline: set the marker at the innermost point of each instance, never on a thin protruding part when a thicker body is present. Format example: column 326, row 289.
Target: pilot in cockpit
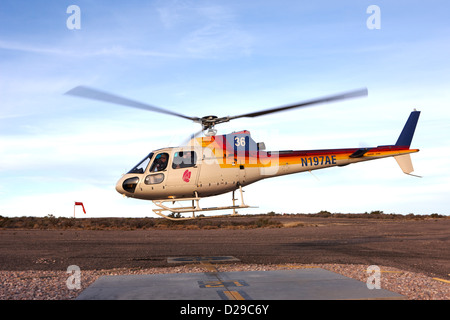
column 160, row 163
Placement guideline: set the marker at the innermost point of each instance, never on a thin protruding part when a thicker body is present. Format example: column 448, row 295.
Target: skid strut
column 195, row 207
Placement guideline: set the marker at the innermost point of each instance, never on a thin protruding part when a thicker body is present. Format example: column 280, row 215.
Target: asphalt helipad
column 298, row 284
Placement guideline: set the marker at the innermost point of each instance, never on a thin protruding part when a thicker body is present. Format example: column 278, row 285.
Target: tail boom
column 307, row 160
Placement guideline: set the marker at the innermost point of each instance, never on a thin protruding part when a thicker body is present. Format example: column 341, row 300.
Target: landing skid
column 195, row 207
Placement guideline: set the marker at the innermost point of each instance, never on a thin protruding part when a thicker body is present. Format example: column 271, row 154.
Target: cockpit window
column 184, row 159
column 141, row 166
column 160, row 162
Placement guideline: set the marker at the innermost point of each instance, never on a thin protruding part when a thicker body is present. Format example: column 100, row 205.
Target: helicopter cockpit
column 159, row 164
column 155, row 166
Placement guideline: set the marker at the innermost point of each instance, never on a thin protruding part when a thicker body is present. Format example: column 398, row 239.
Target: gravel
column 52, row 285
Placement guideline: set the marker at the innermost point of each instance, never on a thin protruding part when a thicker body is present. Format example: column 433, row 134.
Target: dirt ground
column 410, row 245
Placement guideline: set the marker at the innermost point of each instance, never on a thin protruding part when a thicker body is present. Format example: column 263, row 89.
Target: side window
column 184, row 159
column 160, row 162
column 154, row 178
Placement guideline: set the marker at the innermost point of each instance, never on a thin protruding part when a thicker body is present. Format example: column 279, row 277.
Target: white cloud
column 86, row 52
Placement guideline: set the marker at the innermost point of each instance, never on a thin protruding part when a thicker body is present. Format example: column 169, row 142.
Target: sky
column 223, row 58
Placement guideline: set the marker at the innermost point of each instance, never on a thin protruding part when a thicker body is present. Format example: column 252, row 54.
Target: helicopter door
column 184, row 171
column 155, row 177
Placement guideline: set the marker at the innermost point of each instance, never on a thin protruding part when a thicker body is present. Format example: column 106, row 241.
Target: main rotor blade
column 89, row 93
column 342, row 96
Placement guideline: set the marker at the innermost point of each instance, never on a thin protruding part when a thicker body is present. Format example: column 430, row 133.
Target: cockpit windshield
column 141, row 166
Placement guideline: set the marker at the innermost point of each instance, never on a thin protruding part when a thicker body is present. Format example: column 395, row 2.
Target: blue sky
column 223, row 58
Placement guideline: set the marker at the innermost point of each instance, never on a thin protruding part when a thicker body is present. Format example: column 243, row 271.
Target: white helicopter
column 217, row 164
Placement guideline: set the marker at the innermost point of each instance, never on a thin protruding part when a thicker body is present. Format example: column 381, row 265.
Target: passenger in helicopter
column 183, row 159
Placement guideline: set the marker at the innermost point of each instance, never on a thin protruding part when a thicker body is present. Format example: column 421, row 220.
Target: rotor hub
column 208, row 122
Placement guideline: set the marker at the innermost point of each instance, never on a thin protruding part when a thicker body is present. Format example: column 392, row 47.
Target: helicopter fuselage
column 216, row 165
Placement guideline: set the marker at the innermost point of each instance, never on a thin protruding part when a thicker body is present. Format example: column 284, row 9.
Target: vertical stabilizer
column 407, row 134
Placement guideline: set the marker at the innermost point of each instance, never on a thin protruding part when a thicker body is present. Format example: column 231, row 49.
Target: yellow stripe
column 233, row 295
column 446, row 281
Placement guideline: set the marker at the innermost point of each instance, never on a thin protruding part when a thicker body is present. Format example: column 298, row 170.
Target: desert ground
column 411, row 244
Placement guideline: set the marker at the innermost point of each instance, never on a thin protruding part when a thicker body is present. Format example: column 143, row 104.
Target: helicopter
column 213, row 164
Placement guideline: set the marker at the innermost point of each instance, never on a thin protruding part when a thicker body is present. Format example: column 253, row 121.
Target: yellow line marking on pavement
column 438, row 279
column 233, row 295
